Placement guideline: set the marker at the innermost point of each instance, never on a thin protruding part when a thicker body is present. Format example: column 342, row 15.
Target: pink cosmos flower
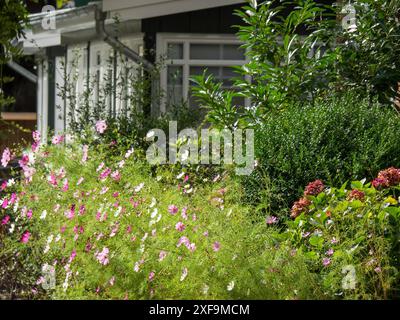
column 183, row 240
column 216, row 246
column 70, row 214
column 72, row 256
column 106, row 172
column 24, row 160
column 378, row 270
column 35, row 147
column 330, row 252
column 80, row 181
column 162, row 255
column 271, row 220
column 112, row 281
column 82, row 209
column 6, row 157
column 4, row 205
column 101, row 126
column 104, row 190
column 52, row 179
column 151, row 276
column 102, row 257
column 28, row 172
column 29, row 214
column 180, row 226
column 36, row 136
column 57, row 139
column 116, row 175
column 13, row 198
column 25, row 237
column 5, row 220
column 326, row 262
column 3, row 186
column 184, row 213
column 85, row 150
column 172, row 209
column 65, row 186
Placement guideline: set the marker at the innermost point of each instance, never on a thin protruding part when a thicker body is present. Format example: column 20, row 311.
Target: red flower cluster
column 387, row 178
column 356, row 195
column 314, row 188
column 299, row 207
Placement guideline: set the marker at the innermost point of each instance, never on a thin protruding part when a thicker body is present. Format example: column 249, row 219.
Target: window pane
column 175, row 51
column 205, row 51
column 174, row 84
column 197, row 71
column 232, row 52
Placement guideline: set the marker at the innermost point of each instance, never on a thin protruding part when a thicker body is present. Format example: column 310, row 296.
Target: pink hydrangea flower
column 101, row 126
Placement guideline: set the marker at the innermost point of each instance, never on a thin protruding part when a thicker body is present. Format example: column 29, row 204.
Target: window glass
column 175, row 51
column 174, row 84
column 205, row 51
column 232, row 52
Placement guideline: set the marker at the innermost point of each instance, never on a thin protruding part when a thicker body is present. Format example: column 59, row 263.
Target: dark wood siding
column 215, row 20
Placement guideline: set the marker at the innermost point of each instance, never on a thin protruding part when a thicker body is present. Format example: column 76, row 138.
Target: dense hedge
column 333, row 140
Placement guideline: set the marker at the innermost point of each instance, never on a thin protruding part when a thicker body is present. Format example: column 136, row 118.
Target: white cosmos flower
column 184, row 274
column 179, row 176
column 153, row 203
column 43, row 215
column 139, row 187
column 150, row 134
column 154, row 213
column 205, row 289
column 230, row 286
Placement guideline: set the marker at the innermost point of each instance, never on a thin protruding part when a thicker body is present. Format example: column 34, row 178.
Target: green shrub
column 334, row 140
column 351, row 231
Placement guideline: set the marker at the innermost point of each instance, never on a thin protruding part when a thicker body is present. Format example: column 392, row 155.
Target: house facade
column 103, row 40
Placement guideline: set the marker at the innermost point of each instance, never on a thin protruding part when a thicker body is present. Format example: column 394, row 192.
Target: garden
column 87, row 216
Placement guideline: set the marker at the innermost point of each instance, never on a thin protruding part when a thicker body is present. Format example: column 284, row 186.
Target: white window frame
column 162, row 41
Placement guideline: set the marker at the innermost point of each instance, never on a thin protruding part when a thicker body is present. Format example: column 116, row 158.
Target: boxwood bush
column 333, row 140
